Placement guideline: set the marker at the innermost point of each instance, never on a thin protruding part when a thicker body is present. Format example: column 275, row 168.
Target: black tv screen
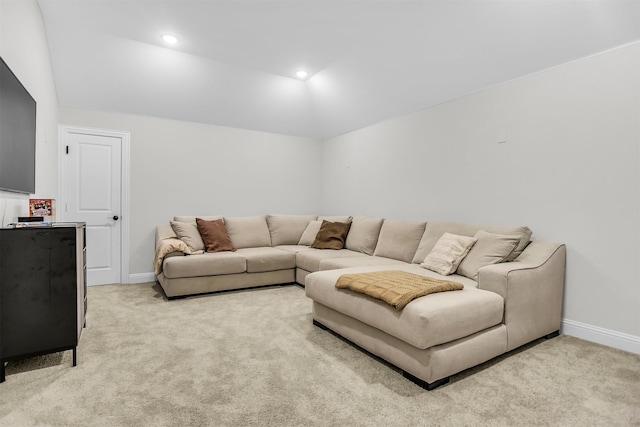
column 17, row 134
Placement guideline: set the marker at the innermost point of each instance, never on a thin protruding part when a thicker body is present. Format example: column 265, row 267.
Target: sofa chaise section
column 511, row 304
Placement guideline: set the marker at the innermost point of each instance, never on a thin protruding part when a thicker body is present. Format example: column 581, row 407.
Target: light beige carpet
column 253, row 358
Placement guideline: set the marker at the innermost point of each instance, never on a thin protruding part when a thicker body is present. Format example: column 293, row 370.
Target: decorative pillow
column 489, row 249
column 188, row 233
column 332, row 235
column 310, row 233
column 448, row 253
column 214, row 235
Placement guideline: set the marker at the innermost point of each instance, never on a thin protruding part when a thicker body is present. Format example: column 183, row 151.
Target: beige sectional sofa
column 503, row 305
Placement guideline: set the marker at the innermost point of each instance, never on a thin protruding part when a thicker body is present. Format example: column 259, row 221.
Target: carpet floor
column 253, row 358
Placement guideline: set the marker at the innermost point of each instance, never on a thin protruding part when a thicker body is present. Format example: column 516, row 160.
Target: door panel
column 93, row 196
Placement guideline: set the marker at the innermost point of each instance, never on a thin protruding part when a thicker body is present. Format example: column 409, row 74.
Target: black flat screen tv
column 17, row 135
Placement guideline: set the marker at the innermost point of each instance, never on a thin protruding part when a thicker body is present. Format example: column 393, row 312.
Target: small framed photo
column 42, row 207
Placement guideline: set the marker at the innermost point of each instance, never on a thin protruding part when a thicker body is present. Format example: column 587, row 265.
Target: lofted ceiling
column 235, row 61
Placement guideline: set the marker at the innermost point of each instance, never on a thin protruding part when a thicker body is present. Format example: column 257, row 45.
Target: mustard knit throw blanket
column 396, row 288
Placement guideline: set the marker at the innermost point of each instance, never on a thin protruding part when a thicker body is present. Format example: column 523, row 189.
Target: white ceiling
column 369, row 61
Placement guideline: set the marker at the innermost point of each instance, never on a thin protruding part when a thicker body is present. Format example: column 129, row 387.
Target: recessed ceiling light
column 168, row 38
column 301, row 74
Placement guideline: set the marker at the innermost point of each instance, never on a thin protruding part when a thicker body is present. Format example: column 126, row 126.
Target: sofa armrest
column 164, row 232
column 532, row 287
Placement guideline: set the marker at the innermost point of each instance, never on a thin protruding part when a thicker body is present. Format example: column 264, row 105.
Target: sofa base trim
column 183, row 286
column 552, row 335
column 320, row 325
column 248, row 288
column 425, row 385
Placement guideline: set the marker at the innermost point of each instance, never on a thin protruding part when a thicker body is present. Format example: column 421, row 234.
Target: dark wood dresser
column 42, row 290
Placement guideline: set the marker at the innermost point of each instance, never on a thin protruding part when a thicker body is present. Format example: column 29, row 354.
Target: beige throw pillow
column 188, row 233
column 448, row 253
column 489, row 249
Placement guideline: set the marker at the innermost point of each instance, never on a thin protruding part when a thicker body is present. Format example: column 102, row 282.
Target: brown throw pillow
column 214, row 235
column 332, row 235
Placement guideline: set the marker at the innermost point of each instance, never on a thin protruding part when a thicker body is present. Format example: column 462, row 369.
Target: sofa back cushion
column 399, row 239
column 287, row 229
column 248, row 231
column 435, row 229
column 363, row 234
column 489, row 249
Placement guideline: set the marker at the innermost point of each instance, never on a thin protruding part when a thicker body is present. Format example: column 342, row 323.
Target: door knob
column 116, row 217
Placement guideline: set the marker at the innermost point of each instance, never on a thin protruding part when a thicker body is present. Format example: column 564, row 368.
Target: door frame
column 61, row 213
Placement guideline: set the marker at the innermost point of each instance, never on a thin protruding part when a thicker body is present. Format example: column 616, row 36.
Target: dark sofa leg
column 552, row 335
column 177, row 297
column 424, row 384
column 320, row 325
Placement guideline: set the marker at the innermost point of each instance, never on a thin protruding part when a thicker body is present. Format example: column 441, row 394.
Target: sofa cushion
column 358, row 261
column 310, row 260
column 435, row 229
column 363, row 234
column 310, row 233
column 399, row 239
column 331, row 235
column 267, row 259
column 214, row 235
column 190, row 218
column 188, row 233
column 208, row 264
column 248, row 231
column 287, row 229
column 424, row 322
column 448, row 253
column 293, row 248
column 489, row 249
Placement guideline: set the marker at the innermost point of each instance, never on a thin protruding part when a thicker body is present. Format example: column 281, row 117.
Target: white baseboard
column 602, row 336
column 141, row 278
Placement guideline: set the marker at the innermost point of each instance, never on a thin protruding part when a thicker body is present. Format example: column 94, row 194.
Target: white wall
column 569, row 170
column 23, row 46
column 182, row 168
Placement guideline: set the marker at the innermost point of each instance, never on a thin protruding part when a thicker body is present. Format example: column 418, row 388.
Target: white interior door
column 93, row 195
